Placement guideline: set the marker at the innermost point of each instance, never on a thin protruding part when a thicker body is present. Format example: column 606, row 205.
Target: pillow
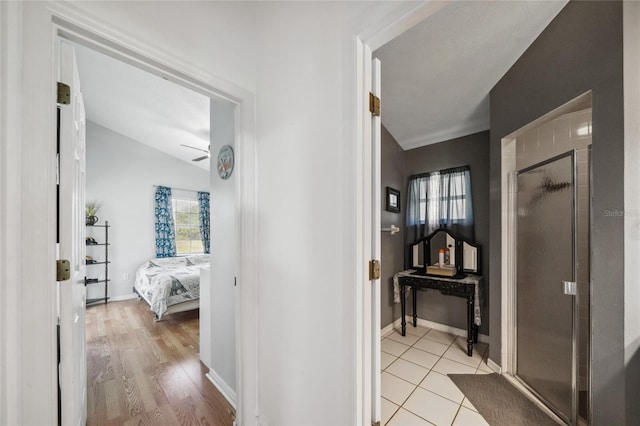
column 198, row 259
column 168, row 261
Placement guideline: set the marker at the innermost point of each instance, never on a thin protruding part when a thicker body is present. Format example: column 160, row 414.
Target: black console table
column 466, row 287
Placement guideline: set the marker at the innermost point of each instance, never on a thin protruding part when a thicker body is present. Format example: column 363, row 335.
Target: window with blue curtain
column 203, row 201
column 165, row 231
column 440, row 199
column 182, row 222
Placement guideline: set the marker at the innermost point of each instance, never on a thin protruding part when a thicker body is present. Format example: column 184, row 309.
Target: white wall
column 223, row 255
column 121, row 173
column 307, row 213
column 217, row 38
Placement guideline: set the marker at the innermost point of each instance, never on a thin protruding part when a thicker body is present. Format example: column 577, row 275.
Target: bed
column 170, row 284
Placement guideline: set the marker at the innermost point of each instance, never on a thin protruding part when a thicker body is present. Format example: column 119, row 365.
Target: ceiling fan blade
column 193, row 147
column 200, row 158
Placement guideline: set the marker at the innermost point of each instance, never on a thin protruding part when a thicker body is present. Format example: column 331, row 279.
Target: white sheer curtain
column 440, row 199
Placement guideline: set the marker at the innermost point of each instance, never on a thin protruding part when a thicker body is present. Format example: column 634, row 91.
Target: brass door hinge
column 63, row 270
column 64, row 94
column 374, row 105
column 375, row 423
column 374, row 270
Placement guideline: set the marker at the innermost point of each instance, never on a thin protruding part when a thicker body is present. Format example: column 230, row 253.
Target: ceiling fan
column 199, row 149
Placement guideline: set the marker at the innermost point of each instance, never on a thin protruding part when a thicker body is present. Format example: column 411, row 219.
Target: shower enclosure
column 546, row 283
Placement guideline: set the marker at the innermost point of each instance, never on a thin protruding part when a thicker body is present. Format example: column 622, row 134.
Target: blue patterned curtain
column 165, row 231
column 203, row 201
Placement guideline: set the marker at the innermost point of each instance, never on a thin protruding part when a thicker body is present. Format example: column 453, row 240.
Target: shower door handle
column 569, row 288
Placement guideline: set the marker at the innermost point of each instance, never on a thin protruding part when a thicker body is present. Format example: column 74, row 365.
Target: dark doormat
column 499, row 402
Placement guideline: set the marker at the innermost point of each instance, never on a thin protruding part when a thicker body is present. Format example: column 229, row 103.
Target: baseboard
column 123, row 297
column 434, row 325
column 493, row 366
column 389, row 329
column 226, row 391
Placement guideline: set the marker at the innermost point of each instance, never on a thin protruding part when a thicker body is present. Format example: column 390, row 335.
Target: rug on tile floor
column 499, row 402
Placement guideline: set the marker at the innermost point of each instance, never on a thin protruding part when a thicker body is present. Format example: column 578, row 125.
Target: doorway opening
column 427, row 109
column 226, row 108
column 546, row 186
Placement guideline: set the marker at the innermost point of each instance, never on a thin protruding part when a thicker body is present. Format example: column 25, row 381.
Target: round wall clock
column 225, row 162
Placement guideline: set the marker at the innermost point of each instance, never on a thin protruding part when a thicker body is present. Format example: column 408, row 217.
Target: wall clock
column 225, row 162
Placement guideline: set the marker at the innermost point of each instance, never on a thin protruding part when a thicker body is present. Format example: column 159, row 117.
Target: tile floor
column 415, row 387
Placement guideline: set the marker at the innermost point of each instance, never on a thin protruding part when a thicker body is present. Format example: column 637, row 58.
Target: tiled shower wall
column 569, row 131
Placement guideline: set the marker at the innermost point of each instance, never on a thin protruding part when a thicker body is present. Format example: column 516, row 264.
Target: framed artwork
column 393, row 200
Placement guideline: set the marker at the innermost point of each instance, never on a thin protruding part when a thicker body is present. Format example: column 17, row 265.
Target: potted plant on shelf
column 90, row 210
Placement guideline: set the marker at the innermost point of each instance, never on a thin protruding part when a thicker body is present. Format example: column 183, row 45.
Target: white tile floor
column 415, row 387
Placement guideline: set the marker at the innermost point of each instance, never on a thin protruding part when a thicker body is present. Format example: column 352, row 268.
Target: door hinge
column 63, row 270
column 375, row 423
column 374, row 105
column 64, row 94
column 374, row 270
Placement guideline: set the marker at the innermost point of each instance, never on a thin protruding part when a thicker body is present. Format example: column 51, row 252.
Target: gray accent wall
column 472, row 151
column 580, row 51
column 393, row 175
column 397, row 166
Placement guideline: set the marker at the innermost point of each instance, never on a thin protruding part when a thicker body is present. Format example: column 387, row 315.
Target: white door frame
column 29, row 388
column 369, row 40
column 631, row 58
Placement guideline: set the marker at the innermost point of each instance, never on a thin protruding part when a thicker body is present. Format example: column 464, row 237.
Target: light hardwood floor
column 141, row 372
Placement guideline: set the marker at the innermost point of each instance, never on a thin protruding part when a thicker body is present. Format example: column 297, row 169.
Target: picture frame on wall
column 393, row 200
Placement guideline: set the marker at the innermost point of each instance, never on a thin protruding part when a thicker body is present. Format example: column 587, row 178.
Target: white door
column 369, row 131
column 71, row 222
column 376, row 205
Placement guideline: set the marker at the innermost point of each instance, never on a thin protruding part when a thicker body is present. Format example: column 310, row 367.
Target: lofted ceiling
column 436, row 76
column 143, row 106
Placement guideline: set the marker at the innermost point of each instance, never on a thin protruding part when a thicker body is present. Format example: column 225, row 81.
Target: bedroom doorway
column 224, row 117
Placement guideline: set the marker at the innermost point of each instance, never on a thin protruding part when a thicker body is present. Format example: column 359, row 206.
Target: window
column 440, row 199
column 186, row 217
column 443, row 201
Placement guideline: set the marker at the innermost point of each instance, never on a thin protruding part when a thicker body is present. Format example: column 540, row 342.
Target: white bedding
column 164, row 282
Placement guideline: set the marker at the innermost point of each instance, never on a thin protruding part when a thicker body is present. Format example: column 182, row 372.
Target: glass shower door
column 545, row 308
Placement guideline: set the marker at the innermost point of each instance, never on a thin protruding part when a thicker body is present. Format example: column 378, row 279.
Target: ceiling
column 143, row 106
column 436, row 76
column 436, row 79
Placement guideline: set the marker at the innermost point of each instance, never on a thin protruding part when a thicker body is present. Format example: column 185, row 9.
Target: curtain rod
column 179, row 189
